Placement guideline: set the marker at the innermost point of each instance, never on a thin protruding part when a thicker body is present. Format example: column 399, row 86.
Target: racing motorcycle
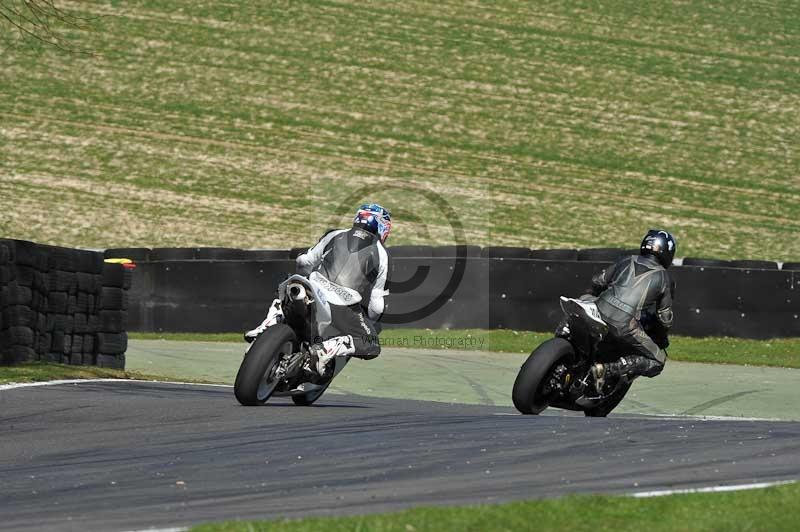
column 558, row 372
column 277, row 362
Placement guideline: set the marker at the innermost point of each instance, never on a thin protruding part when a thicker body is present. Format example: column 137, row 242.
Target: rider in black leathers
column 634, row 298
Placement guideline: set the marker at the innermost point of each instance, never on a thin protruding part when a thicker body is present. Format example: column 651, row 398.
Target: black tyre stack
column 68, row 307
column 61, row 305
column 112, row 338
column 23, row 302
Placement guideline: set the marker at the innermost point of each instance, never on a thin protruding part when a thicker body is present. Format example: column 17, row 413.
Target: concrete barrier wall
column 61, row 305
column 708, row 301
column 484, row 288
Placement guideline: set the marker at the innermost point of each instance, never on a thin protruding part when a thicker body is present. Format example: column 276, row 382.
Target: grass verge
column 40, row 372
column 769, row 509
column 779, row 352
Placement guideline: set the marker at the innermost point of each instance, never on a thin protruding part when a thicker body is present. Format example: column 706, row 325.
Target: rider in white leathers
column 351, row 267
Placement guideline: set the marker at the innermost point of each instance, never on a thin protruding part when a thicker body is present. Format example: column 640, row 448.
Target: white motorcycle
column 277, row 362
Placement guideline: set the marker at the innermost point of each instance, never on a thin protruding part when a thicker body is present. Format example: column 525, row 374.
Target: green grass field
column 40, row 372
column 772, row 509
column 779, row 352
column 241, row 124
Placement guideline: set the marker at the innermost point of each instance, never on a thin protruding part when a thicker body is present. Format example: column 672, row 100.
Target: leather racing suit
column 352, row 265
column 637, row 290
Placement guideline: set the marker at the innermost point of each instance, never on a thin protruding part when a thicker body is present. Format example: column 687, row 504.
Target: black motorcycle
column 558, row 372
column 277, row 362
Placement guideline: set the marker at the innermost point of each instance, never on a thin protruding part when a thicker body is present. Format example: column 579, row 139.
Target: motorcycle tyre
column 534, row 370
column 264, row 353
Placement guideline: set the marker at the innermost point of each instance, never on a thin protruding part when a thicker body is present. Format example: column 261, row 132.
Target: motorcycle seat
column 587, row 312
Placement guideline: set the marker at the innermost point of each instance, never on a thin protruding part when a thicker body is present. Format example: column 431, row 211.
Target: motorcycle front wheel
column 527, row 393
column 256, row 379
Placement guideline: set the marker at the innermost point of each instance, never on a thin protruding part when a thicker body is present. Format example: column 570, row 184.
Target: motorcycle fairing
column 320, row 301
column 336, row 294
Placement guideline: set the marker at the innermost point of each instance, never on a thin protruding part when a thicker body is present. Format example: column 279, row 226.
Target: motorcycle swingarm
column 589, row 402
column 302, row 389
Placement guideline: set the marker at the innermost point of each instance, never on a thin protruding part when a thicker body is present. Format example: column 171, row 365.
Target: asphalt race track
column 132, row 455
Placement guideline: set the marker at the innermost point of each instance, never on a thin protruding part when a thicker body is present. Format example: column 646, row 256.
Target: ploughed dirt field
column 550, row 125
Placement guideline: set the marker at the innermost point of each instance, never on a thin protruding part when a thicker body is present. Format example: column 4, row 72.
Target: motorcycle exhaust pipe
column 297, row 292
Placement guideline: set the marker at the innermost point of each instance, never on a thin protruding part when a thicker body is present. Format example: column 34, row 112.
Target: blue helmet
column 375, row 219
column 660, row 244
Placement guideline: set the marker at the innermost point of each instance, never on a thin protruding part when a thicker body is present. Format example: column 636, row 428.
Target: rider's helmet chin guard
column 661, row 245
column 375, row 219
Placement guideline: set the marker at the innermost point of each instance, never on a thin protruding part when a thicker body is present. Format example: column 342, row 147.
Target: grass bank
column 773, row 509
column 40, row 372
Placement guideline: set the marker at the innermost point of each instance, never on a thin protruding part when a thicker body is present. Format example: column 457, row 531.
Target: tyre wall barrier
column 495, row 288
column 61, row 305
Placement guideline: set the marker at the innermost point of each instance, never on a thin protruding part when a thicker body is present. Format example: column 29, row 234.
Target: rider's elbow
column 375, row 309
column 666, row 317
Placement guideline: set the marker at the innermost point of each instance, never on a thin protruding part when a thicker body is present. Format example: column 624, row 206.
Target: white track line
column 639, row 495
column 15, row 385
column 678, row 417
column 701, row 417
column 711, row 489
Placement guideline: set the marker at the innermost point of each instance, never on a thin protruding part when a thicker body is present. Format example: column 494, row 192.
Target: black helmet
column 660, row 244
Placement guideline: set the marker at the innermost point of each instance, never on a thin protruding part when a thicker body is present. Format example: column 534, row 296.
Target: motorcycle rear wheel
column 255, row 380
column 602, row 410
column 526, row 393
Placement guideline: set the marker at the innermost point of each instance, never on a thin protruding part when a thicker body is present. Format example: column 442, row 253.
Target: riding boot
column 274, row 316
column 323, row 353
column 627, row 366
